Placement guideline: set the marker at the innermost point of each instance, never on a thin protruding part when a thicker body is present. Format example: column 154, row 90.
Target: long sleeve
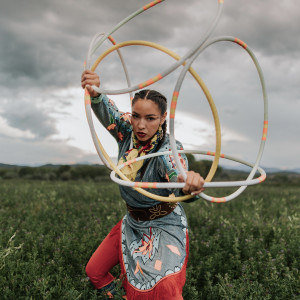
column 168, row 167
column 117, row 123
column 170, row 171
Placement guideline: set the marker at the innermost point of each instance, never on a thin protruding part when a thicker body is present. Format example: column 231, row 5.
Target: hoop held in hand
column 186, row 61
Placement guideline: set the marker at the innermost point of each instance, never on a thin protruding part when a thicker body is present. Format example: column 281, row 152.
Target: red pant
column 107, row 256
column 104, row 259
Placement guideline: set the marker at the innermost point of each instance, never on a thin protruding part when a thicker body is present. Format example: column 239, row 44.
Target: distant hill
column 51, row 166
column 6, row 166
column 242, row 169
column 268, row 170
column 101, row 173
column 48, row 166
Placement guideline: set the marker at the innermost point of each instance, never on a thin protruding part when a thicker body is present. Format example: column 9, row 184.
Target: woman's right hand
column 89, row 78
column 193, row 184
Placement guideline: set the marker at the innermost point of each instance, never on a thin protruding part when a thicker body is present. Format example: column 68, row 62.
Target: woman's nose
column 141, row 124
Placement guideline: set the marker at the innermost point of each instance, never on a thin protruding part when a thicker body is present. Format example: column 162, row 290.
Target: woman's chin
column 143, row 141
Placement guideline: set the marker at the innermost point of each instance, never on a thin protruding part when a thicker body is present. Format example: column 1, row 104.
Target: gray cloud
column 269, row 28
column 26, row 116
column 18, row 151
column 43, row 45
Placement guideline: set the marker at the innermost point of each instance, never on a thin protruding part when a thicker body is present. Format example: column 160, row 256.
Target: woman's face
column 146, row 118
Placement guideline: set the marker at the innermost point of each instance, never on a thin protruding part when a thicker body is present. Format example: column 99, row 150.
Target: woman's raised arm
column 88, row 79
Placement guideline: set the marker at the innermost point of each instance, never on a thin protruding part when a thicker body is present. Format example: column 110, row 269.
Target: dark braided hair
column 161, row 102
column 157, row 98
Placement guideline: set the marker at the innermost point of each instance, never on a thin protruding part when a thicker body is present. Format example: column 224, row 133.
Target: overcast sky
column 44, row 43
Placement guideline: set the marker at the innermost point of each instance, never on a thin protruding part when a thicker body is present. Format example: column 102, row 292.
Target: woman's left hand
column 193, row 183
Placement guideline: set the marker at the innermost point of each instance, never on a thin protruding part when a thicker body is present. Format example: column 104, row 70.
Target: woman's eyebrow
column 149, row 115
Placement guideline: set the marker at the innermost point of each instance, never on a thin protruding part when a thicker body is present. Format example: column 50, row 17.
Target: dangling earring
column 160, row 128
column 160, row 131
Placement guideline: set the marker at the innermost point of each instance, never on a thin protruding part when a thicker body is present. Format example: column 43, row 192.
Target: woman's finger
column 193, row 184
column 194, row 193
column 180, row 178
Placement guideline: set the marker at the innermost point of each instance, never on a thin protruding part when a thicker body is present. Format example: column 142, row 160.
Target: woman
column 151, row 241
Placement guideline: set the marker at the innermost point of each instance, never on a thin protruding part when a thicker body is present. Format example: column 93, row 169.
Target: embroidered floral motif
column 138, row 269
column 111, row 126
column 158, row 265
column 147, row 246
column 173, row 162
column 174, row 249
column 126, row 117
column 172, row 167
column 167, row 177
column 172, row 174
column 182, row 161
column 120, row 136
column 111, row 102
column 157, row 212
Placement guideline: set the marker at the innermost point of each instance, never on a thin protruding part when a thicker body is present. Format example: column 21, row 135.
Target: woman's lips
column 141, row 134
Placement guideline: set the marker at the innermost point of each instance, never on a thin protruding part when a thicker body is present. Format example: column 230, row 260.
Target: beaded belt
column 151, row 213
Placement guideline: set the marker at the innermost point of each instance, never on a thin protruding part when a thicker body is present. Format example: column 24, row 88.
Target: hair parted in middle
column 157, row 98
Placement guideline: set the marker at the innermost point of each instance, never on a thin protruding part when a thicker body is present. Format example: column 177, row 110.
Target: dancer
column 151, row 242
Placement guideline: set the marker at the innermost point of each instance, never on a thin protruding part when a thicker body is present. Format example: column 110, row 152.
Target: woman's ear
column 163, row 118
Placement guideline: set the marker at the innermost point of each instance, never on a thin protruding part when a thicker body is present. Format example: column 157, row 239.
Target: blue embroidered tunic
column 151, row 250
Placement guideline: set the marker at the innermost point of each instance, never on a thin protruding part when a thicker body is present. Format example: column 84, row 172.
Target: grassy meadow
column 248, row 248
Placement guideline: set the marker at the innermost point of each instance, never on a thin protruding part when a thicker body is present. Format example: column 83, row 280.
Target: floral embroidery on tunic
column 120, row 136
column 126, row 117
column 147, row 244
column 146, row 247
column 111, row 126
column 157, row 212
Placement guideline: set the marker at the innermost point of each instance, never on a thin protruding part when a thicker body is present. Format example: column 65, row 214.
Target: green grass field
column 248, row 248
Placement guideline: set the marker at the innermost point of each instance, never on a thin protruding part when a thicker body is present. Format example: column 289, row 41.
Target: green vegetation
column 100, row 173
column 245, row 249
column 56, row 172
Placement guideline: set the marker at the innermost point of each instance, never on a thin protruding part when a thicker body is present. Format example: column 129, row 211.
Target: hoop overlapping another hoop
column 186, row 61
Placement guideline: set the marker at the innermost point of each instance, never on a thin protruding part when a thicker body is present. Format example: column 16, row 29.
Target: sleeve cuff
column 96, row 100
